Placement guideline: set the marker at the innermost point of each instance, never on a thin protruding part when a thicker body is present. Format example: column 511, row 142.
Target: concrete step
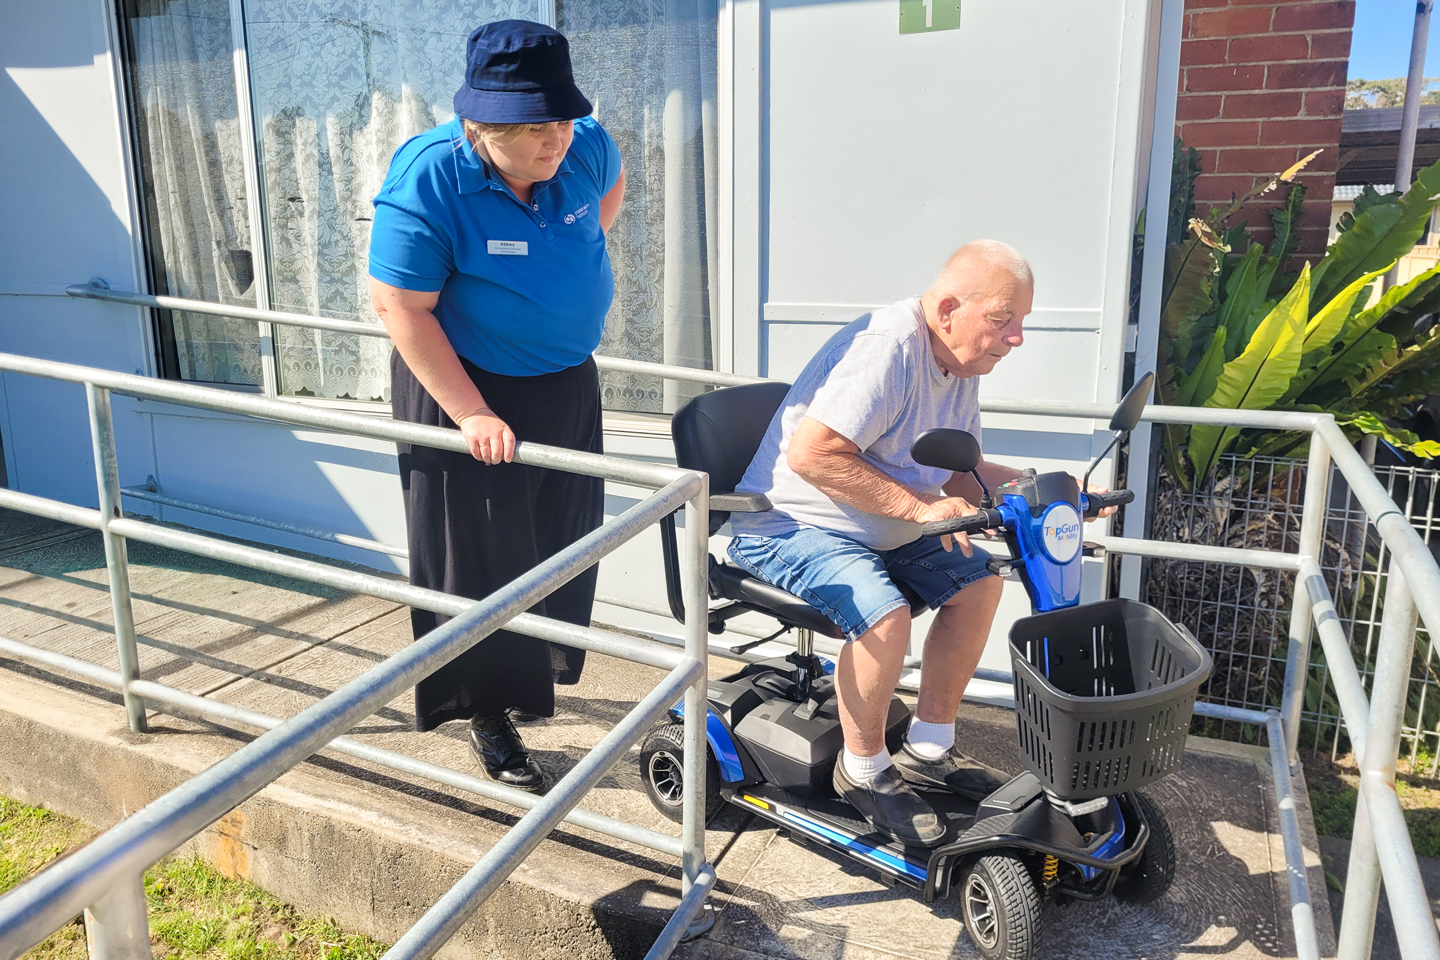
column 374, row 848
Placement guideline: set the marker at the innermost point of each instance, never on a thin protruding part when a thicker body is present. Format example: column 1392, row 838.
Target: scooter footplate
column 834, row 824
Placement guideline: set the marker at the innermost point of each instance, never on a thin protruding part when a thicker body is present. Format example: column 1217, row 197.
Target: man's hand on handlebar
column 949, row 508
column 1105, row 511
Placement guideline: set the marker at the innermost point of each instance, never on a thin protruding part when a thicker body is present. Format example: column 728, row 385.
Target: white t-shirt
column 877, row 384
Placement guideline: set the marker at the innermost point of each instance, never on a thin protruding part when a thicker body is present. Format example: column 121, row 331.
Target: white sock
column 930, row 741
column 864, row 769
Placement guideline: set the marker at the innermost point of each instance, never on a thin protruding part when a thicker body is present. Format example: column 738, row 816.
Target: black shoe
column 503, row 755
column 891, row 806
column 522, row 716
column 954, row 772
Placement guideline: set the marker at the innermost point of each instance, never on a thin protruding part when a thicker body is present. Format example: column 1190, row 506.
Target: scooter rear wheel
column 1147, row 879
column 662, row 769
column 1001, row 907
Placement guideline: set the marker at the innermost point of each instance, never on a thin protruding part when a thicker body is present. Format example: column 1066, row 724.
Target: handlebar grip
column 1095, row 502
column 982, row 520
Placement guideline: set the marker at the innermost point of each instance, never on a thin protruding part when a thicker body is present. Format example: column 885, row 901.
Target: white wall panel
column 64, row 218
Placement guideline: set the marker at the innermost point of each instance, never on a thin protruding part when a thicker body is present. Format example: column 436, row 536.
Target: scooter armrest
column 740, row 502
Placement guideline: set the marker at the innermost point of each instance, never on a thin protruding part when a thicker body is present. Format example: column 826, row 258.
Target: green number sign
column 922, row 16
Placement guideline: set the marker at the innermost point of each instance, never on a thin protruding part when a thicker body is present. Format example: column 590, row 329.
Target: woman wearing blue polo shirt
column 488, row 268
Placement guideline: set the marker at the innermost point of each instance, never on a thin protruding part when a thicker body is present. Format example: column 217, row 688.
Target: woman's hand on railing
column 490, row 439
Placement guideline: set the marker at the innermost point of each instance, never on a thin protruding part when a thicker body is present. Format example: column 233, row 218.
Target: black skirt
column 474, row 528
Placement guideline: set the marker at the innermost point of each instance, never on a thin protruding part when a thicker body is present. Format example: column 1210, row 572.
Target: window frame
column 161, row 348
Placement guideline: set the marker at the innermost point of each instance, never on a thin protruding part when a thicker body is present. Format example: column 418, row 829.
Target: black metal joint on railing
column 670, row 555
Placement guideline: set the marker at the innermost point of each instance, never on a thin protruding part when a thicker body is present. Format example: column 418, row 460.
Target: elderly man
column 847, row 500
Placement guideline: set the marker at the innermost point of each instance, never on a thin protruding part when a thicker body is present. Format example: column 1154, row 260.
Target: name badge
column 508, row 248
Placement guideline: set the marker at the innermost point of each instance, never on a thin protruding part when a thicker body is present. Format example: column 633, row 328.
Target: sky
column 1381, row 45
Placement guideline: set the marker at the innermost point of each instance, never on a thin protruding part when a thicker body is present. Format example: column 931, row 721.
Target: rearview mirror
column 1127, row 415
column 953, row 450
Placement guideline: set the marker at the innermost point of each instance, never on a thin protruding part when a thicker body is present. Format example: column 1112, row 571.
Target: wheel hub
column 667, row 776
column 979, row 901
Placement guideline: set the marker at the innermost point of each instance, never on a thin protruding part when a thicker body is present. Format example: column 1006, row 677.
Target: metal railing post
column 116, row 926
column 107, row 480
column 1302, row 913
column 1382, row 747
column 697, row 705
column 1415, row 933
column 1297, row 656
column 1362, row 890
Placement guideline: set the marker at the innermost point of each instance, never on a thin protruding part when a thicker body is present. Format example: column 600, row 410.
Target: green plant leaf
column 1202, row 382
column 1189, row 270
column 1369, row 197
column 1367, row 335
column 1401, row 374
column 1322, row 330
column 1184, row 169
column 1327, row 322
column 1240, row 299
column 1286, row 221
column 1381, row 234
column 1258, row 377
column 1395, row 436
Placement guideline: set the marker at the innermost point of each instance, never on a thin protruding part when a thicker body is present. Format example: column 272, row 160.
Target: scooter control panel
column 1041, row 490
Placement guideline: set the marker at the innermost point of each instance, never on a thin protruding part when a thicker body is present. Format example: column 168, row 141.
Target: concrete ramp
column 374, row 848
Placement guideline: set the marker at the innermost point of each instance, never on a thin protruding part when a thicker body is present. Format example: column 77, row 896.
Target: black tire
column 1001, row 907
column 1147, row 879
column 662, row 766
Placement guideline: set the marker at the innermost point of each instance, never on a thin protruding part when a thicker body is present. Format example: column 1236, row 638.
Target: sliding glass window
column 336, row 87
column 182, row 95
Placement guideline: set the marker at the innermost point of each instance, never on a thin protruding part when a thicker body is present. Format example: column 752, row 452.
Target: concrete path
column 374, row 848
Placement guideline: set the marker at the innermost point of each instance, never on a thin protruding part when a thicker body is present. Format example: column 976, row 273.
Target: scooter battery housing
column 795, row 744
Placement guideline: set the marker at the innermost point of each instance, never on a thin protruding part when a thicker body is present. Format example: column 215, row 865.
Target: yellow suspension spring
column 1052, row 869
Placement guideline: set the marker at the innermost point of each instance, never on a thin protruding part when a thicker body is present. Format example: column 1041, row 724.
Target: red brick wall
column 1262, row 84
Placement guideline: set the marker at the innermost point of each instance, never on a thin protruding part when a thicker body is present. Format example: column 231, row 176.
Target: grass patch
column 194, row 912
column 1334, row 793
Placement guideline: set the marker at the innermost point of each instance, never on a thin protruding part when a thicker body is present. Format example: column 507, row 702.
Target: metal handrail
column 103, row 878
column 93, row 291
column 1381, row 847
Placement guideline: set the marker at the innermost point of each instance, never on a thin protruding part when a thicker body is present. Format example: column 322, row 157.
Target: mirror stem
column 985, row 502
column 1085, row 483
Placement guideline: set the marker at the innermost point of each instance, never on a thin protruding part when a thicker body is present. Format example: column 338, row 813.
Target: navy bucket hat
column 519, row 72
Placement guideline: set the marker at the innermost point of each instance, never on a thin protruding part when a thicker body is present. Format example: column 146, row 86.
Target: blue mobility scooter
column 1103, row 695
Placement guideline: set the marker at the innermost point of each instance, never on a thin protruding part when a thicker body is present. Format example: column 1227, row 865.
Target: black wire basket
column 1103, row 695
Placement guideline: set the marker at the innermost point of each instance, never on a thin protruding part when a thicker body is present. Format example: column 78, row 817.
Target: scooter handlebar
column 1095, row 502
column 987, row 519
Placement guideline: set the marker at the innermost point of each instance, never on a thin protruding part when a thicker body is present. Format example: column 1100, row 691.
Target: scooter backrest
column 719, row 432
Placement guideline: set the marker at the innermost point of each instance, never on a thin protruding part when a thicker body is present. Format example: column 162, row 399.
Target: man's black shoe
column 503, row 755
column 891, row 806
column 954, row 772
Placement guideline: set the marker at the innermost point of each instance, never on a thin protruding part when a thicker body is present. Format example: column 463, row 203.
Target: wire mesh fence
column 1242, row 614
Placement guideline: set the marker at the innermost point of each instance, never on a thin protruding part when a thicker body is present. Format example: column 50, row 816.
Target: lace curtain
column 337, row 87
column 183, row 84
column 649, row 67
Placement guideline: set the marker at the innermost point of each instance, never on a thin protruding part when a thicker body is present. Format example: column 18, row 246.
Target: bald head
column 979, row 261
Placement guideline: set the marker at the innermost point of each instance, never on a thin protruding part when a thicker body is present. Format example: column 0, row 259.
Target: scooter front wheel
column 1001, row 907
column 662, row 769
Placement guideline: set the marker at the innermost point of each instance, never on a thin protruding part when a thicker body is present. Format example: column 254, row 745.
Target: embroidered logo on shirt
column 578, row 214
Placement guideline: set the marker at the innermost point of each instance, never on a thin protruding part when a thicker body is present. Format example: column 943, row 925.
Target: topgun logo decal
column 1060, row 532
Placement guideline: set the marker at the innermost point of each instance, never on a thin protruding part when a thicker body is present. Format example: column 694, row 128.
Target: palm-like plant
column 1238, row 333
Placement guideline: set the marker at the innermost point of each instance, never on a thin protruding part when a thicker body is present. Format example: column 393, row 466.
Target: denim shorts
column 852, row 584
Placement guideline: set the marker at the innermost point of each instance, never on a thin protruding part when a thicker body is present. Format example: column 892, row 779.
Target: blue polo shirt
column 524, row 289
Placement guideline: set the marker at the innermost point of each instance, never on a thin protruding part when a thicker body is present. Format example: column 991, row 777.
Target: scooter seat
column 734, row 583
